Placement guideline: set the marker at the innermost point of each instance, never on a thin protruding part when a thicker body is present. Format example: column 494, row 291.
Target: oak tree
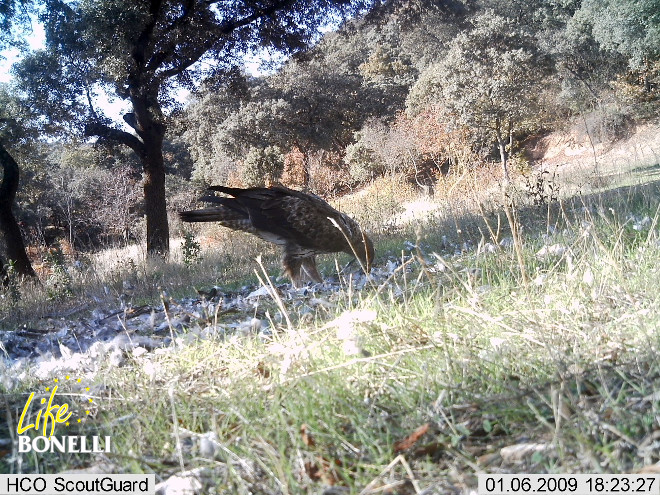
column 492, row 80
column 11, row 132
column 13, row 15
column 630, row 28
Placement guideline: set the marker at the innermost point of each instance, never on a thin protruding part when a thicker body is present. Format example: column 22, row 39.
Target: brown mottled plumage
column 301, row 223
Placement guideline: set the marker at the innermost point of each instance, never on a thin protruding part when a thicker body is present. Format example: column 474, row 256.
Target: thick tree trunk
column 149, row 148
column 152, row 133
column 4, row 276
column 8, row 226
column 155, row 204
column 150, row 152
column 504, row 160
column 306, row 178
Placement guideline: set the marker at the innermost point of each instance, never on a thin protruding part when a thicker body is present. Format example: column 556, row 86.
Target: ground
column 499, row 334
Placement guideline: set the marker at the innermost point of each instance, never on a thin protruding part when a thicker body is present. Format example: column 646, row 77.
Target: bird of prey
column 303, row 224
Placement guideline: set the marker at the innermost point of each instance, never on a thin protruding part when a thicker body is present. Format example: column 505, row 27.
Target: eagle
column 303, row 224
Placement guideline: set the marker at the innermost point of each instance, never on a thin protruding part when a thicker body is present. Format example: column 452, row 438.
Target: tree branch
column 159, row 57
column 129, row 118
column 142, row 41
column 90, row 102
column 116, row 135
column 225, row 28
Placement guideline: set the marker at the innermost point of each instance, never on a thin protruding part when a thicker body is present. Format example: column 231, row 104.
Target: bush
column 379, row 148
column 362, row 162
column 607, row 124
column 262, row 166
column 58, row 284
column 215, row 170
column 191, row 249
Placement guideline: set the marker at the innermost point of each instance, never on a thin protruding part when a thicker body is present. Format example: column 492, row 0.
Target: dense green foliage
column 496, row 73
column 13, row 21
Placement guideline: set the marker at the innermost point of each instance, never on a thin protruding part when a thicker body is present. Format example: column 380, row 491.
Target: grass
column 500, row 360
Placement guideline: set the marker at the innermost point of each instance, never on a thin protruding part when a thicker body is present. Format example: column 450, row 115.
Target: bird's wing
column 289, row 214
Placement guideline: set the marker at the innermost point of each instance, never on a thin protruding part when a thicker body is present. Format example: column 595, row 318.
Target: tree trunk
column 501, row 144
column 148, row 122
column 155, row 204
column 8, row 226
column 4, row 276
column 306, row 165
column 647, row 75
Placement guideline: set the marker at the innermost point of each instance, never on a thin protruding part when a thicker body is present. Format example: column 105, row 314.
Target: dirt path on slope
column 582, row 162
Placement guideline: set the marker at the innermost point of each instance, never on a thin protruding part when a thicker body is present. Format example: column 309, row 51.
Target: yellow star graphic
column 87, row 389
column 79, row 420
column 87, row 411
column 55, row 380
column 79, row 380
column 47, row 389
column 91, row 400
column 67, row 377
column 67, row 423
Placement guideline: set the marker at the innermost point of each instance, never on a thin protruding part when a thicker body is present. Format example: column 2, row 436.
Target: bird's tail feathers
column 215, row 214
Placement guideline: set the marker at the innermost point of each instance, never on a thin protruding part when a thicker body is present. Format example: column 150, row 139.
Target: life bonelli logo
column 64, row 403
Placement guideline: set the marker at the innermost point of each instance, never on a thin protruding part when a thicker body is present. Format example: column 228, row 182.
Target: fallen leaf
column 429, row 449
column 411, row 439
column 488, row 459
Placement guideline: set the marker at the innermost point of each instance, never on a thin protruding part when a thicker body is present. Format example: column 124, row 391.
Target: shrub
column 262, row 166
column 362, row 162
column 58, row 284
column 191, row 249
